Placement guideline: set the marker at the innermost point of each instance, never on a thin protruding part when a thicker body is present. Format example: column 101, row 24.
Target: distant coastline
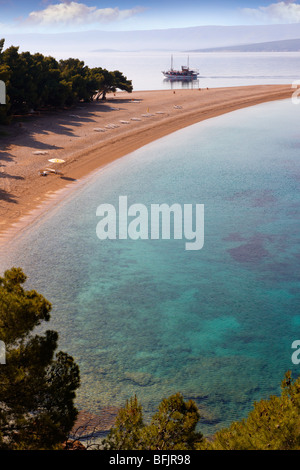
column 287, row 45
column 170, row 39
column 93, row 135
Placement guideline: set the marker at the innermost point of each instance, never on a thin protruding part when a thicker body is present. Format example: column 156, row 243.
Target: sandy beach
column 92, row 135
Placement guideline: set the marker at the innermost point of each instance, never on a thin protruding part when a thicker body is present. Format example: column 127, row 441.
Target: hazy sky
column 65, row 15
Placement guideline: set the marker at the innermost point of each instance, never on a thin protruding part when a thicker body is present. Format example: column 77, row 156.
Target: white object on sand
column 111, row 126
column 56, row 160
column 53, row 170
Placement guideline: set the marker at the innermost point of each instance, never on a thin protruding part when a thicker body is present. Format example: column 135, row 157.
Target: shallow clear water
column 147, row 317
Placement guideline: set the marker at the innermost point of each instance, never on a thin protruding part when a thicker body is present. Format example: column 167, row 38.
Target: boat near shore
column 184, row 74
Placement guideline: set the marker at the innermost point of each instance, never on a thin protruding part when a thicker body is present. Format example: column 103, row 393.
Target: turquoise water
column 149, row 318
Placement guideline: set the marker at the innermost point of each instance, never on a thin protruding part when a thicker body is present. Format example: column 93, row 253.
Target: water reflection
column 184, row 84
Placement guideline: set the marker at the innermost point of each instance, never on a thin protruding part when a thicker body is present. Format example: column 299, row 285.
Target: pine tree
column 173, row 427
column 273, row 424
column 37, row 386
column 125, row 434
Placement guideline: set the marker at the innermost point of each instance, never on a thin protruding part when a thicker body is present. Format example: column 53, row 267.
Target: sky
column 50, row 16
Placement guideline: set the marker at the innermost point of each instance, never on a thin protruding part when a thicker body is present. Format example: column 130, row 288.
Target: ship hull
column 180, row 77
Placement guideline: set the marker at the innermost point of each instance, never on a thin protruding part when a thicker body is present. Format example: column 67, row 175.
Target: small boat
column 184, row 74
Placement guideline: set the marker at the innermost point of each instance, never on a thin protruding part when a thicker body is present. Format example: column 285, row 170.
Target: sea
column 215, row 69
column 149, row 318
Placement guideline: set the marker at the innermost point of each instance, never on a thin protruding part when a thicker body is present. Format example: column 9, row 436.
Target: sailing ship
column 184, row 74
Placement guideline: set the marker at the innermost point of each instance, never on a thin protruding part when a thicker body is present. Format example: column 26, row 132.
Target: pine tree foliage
column 37, row 385
column 173, row 427
column 34, row 81
column 273, row 424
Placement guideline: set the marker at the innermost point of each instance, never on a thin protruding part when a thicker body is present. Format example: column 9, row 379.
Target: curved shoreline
column 98, row 134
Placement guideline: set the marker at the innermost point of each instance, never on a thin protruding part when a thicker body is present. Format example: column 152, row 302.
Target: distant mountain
column 80, row 44
column 288, row 45
column 106, row 50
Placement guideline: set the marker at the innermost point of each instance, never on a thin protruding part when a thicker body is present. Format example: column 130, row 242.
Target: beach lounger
column 48, row 171
column 54, row 171
column 111, row 126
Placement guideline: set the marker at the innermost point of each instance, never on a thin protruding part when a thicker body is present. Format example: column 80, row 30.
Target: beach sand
column 94, row 134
